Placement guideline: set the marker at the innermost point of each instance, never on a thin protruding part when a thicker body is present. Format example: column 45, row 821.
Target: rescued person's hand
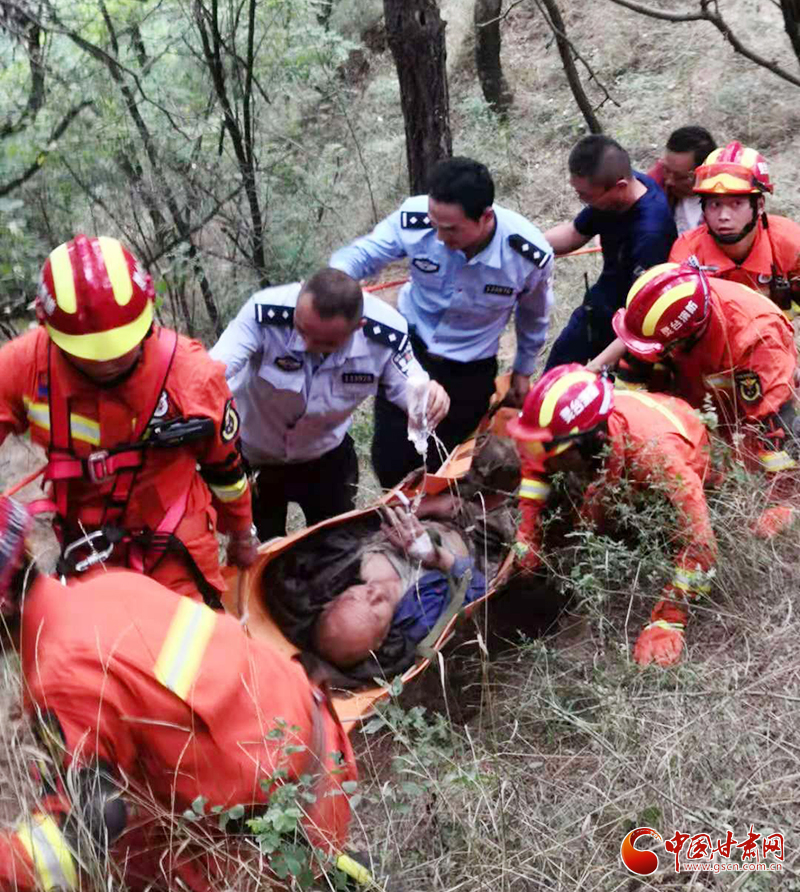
column 406, row 533
column 438, row 403
column 242, row 549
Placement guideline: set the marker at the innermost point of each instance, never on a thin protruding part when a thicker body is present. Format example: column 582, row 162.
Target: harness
column 120, row 464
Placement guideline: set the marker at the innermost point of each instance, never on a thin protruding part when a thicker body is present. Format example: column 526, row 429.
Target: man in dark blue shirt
column 631, row 215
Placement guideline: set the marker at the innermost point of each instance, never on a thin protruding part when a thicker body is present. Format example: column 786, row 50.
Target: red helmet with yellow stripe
column 94, row 298
column 734, row 170
column 668, row 303
column 567, row 402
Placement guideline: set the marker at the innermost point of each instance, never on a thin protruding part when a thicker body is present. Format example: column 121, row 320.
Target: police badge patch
column 748, row 386
column 230, row 422
column 424, row 265
column 163, row 405
column 288, row 363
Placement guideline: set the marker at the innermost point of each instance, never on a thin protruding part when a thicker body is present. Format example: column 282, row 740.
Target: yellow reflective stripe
column 690, row 580
column 63, row 279
column 104, row 345
column 232, row 492
column 48, row 851
column 354, row 870
column 654, row 314
column 663, row 624
column 560, row 387
column 724, row 381
column 82, row 428
column 647, row 277
column 117, row 268
column 659, row 407
column 534, row 489
column 183, row 648
column 773, row 462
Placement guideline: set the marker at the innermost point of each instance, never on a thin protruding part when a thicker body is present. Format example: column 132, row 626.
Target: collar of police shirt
column 356, row 346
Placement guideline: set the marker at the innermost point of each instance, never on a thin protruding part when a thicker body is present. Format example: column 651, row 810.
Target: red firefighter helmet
column 94, row 298
column 734, row 170
column 563, row 404
column 14, row 524
column 668, row 303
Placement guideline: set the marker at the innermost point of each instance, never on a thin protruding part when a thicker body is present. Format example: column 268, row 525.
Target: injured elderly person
column 369, row 594
column 410, row 573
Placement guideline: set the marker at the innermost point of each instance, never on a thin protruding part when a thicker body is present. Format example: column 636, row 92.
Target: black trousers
column 470, row 386
column 323, row 488
column 587, row 333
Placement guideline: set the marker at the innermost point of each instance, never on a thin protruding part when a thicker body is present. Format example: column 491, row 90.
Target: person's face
column 570, row 460
column 106, row 371
column 727, row 215
column 678, row 170
column 601, row 198
column 361, row 619
column 321, row 335
column 455, row 229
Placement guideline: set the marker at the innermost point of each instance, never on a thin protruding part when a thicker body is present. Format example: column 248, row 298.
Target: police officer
column 472, row 263
column 301, row 358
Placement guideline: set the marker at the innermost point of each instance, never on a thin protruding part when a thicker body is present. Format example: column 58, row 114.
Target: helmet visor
column 725, row 177
column 648, row 350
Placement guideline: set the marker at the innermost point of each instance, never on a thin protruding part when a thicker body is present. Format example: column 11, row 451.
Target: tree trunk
column 565, row 51
column 487, row 56
column 791, row 20
column 415, row 33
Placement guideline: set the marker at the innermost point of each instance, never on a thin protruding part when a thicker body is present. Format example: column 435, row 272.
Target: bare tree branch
column 706, row 14
column 57, row 132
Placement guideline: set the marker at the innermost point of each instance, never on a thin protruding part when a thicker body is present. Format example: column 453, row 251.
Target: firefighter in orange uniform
column 127, row 411
column 152, row 700
column 723, row 340
column 739, row 241
column 574, row 420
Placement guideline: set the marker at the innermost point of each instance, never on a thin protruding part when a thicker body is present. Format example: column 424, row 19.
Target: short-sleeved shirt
column 459, row 306
column 632, row 242
column 296, row 406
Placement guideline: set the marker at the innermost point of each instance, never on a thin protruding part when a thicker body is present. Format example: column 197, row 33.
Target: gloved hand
column 661, row 641
column 772, row 520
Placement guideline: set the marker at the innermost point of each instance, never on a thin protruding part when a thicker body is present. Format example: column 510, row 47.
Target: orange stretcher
column 246, row 592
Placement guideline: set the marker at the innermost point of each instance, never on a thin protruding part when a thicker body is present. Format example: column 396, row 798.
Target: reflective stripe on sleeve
column 82, row 428
column 772, row 462
column 46, row 847
column 232, row 492
column 534, row 489
column 184, row 645
column 691, row 580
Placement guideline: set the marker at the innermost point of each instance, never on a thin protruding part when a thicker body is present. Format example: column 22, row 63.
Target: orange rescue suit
column 653, row 440
column 178, row 703
column 772, row 266
column 102, row 418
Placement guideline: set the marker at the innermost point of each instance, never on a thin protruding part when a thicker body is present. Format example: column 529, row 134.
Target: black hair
column 600, row 159
column 464, row 182
column 334, row 293
column 692, row 139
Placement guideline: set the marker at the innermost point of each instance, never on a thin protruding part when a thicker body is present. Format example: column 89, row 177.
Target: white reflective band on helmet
column 772, row 462
column 48, row 851
column 534, row 489
column 690, row 580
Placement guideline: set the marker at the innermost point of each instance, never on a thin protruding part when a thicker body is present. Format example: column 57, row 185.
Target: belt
column 468, row 366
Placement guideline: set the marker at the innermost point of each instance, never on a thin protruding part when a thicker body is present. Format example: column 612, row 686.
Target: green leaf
column 199, row 805
column 350, row 786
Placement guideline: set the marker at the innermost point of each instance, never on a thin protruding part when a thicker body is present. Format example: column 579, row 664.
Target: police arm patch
column 748, row 386
column 230, row 422
column 403, row 357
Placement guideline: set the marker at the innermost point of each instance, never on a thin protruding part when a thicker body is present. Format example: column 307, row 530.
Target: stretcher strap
column 458, row 592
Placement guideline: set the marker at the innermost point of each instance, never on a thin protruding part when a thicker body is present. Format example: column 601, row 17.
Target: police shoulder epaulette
column 415, row 220
column 529, row 250
column 274, row 314
column 384, row 334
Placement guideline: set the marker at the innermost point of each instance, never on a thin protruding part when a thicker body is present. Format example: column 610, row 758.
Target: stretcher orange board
column 245, row 588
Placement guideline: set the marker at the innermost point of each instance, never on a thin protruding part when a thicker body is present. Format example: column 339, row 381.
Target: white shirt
column 688, row 213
